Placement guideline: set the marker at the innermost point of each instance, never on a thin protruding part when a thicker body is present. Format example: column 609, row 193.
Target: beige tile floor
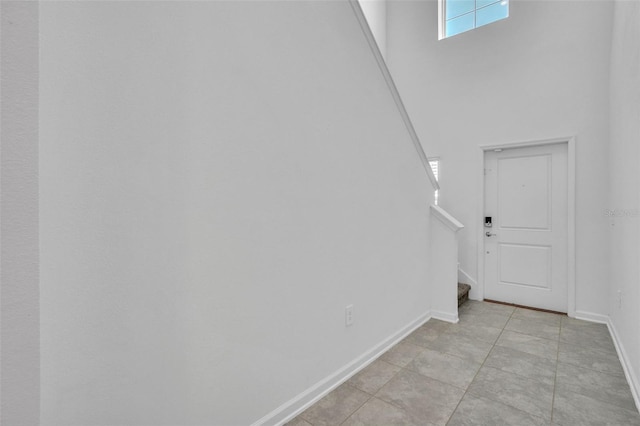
column 499, row 365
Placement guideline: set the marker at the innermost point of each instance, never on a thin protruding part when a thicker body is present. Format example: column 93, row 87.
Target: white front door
column 526, row 247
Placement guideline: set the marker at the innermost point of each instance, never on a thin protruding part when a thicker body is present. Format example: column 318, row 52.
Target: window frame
column 442, row 18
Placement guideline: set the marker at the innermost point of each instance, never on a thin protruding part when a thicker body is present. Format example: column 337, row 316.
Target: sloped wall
column 218, row 180
column 624, row 198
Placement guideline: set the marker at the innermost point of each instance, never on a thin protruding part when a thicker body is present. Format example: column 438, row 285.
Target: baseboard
column 290, row 409
column 445, row 316
column 590, row 316
column 465, row 278
column 632, row 377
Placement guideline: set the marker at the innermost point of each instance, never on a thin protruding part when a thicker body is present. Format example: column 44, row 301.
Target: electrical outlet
column 348, row 315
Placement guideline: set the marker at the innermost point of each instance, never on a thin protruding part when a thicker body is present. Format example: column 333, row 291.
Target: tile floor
column 499, row 365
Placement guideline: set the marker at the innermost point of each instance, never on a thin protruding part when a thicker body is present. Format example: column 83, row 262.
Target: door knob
column 489, row 234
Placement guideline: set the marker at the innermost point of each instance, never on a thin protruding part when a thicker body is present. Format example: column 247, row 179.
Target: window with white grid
column 459, row 16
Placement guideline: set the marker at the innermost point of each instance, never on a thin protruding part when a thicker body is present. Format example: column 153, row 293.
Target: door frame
column 571, row 212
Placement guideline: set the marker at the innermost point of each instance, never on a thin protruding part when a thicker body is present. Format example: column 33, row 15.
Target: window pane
column 483, row 3
column 492, row 13
column 434, row 167
column 458, row 7
column 459, row 25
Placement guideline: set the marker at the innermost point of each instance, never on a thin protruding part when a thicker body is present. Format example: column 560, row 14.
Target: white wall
column 624, row 195
column 218, row 181
column 19, row 317
column 540, row 74
column 443, row 266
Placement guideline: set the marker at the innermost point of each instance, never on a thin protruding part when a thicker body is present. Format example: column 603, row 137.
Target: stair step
column 463, row 293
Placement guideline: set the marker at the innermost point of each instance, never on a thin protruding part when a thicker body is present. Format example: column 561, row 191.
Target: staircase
column 463, row 293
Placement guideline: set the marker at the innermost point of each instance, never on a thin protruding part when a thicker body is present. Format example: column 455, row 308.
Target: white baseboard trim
column 632, row 377
column 445, row 316
column 630, row 374
column 290, row 409
column 463, row 277
column 590, row 316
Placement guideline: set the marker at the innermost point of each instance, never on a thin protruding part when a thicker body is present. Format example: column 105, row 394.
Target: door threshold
column 531, row 308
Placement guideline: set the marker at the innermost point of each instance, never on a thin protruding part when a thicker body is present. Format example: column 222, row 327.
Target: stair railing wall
column 362, row 20
column 443, row 264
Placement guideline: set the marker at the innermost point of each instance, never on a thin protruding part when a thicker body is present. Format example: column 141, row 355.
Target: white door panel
column 524, row 265
column 526, row 251
column 523, row 192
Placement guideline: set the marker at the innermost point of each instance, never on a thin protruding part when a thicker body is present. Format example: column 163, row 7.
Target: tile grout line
column 359, row 407
column 576, row 365
column 405, row 368
column 555, row 376
column 480, row 368
column 455, row 334
column 600, row 351
column 409, row 370
column 533, row 335
column 402, row 368
column 563, row 326
column 371, row 396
